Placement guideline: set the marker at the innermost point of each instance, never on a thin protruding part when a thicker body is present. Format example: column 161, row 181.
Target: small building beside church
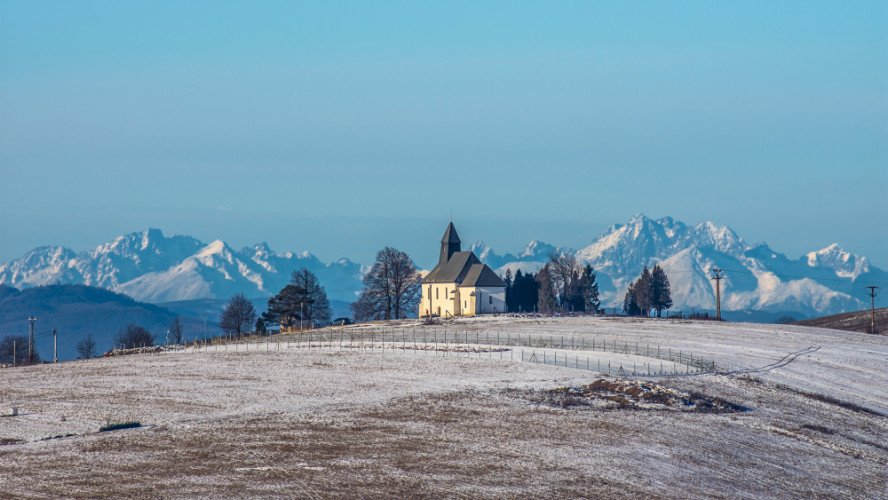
column 461, row 285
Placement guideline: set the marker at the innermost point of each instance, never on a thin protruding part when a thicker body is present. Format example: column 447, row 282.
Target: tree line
column 563, row 283
column 392, row 291
column 650, row 292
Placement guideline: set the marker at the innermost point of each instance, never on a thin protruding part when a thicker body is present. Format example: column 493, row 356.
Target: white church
column 460, row 285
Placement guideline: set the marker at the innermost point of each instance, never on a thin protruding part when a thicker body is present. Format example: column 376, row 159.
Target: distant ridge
column 77, row 310
column 857, row 321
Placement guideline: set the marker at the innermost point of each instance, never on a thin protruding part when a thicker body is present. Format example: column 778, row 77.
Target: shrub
column 120, row 425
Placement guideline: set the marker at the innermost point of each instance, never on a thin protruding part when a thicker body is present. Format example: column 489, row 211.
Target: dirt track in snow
column 350, row 423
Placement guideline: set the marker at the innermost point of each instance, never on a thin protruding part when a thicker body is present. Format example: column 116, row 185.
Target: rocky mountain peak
column 845, row 264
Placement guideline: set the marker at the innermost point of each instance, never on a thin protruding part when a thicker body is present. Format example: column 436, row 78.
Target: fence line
column 542, row 349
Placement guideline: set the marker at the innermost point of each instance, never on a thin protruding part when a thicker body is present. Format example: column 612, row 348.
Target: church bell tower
column 449, row 244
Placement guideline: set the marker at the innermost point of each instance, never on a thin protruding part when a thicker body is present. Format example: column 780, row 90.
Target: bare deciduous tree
column 366, row 308
column 318, row 307
column 574, row 283
column 86, row 348
column 133, row 336
column 391, row 288
column 14, row 350
column 565, row 270
column 238, row 315
column 177, row 330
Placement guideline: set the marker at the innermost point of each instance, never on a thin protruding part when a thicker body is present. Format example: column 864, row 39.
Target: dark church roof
column 454, row 270
column 462, row 268
column 482, row 275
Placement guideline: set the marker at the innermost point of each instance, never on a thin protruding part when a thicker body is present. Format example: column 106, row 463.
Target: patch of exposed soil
column 620, row 394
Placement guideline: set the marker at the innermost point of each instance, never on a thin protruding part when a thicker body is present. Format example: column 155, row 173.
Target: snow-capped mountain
column 528, row 260
column 757, row 278
column 151, row 267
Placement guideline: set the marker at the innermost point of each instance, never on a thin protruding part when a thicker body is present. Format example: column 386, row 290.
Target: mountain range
column 152, row 267
column 155, row 268
column 757, row 278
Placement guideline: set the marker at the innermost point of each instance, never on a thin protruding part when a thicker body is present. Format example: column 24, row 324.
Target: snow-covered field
column 395, row 411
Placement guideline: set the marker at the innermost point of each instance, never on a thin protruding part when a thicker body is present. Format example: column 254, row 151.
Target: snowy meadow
column 482, row 407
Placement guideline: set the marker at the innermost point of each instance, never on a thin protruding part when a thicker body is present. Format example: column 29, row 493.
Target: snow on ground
column 393, row 410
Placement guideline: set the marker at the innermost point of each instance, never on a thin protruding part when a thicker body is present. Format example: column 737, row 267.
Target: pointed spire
column 450, row 243
column 450, row 235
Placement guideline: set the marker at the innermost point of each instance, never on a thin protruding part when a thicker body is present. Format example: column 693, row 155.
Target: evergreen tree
column 589, row 289
column 573, row 296
column 643, row 292
column 546, row 301
column 508, row 279
column 287, row 307
column 525, row 292
column 630, row 306
column 661, row 296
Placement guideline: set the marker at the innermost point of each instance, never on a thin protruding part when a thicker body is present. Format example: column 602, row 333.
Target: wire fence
column 593, row 353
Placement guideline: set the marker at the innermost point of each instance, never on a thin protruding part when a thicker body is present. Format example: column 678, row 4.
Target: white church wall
column 493, row 299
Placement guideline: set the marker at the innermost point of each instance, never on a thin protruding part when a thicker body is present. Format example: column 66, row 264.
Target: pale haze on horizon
column 340, row 129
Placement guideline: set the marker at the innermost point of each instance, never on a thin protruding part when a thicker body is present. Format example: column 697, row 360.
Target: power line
column 779, row 275
column 718, row 277
column 31, row 338
column 873, row 291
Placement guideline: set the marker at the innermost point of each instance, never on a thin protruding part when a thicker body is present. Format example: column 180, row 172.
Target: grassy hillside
column 392, row 410
column 858, row 321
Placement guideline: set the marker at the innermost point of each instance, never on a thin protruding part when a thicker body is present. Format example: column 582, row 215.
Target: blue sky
column 340, row 127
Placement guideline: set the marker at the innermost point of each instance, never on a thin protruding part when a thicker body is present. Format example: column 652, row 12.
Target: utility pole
column 718, row 277
column 55, row 347
column 31, row 338
column 873, row 291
